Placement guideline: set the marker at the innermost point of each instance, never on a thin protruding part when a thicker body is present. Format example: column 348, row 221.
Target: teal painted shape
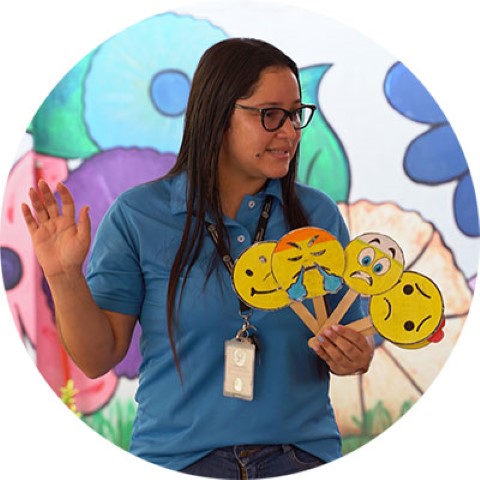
column 331, row 283
column 58, row 127
column 297, row 290
column 124, row 106
column 323, row 163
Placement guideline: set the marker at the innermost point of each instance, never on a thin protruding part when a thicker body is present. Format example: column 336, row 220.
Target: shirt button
column 251, row 204
column 241, row 238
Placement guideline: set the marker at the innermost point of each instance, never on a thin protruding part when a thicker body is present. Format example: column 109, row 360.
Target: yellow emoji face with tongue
column 410, row 315
column 374, row 263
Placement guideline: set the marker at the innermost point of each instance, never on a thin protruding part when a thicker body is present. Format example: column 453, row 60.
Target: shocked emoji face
column 308, row 262
column 411, row 313
column 373, row 264
column 253, row 280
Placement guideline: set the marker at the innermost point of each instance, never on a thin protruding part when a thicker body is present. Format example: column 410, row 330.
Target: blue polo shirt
column 178, row 424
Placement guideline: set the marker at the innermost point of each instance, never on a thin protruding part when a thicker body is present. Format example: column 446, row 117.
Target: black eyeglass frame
column 286, row 114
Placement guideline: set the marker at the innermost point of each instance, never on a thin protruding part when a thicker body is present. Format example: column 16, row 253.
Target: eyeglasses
column 273, row 118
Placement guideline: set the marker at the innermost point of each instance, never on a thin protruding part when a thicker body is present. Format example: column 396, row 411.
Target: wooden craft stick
column 369, row 331
column 307, row 318
column 341, row 309
column 320, row 307
column 363, row 326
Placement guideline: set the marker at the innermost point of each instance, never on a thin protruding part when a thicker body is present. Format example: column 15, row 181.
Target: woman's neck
column 232, row 194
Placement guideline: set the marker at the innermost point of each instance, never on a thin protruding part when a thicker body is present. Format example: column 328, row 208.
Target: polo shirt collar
column 178, row 198
column 273, row 188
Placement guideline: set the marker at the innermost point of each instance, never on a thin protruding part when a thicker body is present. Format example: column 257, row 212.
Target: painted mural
column 115, row 120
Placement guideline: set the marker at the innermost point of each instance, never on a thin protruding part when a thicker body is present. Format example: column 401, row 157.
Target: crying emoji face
column 308, row 262
column 253, row 280
column 373, row 264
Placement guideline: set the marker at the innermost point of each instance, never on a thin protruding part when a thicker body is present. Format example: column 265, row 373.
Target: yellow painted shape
column 410, row 312
column 373, row 264
column 253, row 280
column 303, row 252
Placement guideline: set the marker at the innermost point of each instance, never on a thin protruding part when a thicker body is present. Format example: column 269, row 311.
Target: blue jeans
column 246, row 462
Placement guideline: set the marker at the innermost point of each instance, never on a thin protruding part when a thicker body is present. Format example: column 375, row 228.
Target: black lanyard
column 259, row 236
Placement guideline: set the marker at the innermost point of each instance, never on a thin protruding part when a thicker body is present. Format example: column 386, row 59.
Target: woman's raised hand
column 61, row 245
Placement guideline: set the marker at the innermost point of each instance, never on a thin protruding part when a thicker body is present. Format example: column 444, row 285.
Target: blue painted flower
column 435, row 157
column 137, row 88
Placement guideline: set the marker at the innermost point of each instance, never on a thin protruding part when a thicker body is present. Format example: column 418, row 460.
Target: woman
column 155, row 261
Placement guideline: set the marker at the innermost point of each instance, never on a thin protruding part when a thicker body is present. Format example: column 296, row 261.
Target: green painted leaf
column 58, row 127
column 323, row 163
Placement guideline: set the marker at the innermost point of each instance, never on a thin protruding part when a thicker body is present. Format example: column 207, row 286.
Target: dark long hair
column 227, row 71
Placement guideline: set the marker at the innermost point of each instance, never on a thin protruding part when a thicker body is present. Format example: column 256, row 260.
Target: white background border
column 41, row 41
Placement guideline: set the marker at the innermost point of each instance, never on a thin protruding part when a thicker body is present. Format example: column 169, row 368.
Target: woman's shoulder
column 314, row 199
column 147, row 193
column 322, row 211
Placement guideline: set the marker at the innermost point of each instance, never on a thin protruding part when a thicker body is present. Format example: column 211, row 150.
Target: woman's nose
column 288, row 130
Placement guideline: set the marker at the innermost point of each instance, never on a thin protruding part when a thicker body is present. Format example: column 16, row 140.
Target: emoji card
column 253, row 279
column 411, row 314
column 305, row 263
column 373, row 264
column 406, row 308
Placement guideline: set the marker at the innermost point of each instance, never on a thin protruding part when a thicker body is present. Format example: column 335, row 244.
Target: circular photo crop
column 379, row 146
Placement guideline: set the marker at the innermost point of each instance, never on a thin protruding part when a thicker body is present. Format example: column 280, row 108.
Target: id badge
column 239, row 369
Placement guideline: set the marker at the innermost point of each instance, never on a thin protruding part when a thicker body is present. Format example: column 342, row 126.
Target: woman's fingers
column 84, row 225
column 346, row 346
column 46, row 206
column 68, row 205
column 344, row 350
column 38, row 206
column 49, row 201
column 29, row 220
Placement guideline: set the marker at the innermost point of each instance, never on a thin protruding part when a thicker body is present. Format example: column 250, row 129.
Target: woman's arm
column 95, row 339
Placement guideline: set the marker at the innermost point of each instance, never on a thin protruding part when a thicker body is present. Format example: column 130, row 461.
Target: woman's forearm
column 84, row 328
